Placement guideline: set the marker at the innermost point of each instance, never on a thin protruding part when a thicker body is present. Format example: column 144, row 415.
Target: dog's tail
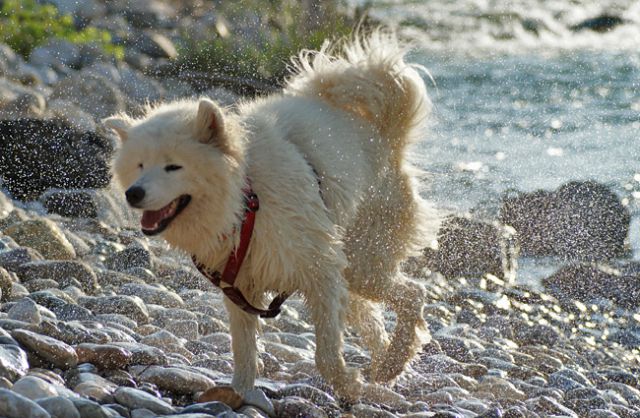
column 368, row 77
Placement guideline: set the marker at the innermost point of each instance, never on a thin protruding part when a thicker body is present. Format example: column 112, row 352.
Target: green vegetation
column 25, row 24
column 261, row 50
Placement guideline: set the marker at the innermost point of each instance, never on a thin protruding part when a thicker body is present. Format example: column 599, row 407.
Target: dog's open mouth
column 155, row 221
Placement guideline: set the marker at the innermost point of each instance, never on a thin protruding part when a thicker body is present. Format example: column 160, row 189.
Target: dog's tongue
column 151, row 218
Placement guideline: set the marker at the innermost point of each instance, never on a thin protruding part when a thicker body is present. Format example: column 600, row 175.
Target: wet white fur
column 336, row 235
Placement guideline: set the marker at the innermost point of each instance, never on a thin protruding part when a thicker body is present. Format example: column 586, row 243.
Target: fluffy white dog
column 338, row 206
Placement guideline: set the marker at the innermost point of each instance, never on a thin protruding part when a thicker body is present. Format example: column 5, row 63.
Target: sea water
column 523, row 99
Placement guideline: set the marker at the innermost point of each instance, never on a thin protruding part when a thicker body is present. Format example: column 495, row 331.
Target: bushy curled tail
column 367, row 76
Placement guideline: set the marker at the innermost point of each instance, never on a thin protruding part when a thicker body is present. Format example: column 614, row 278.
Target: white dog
column 338, row 206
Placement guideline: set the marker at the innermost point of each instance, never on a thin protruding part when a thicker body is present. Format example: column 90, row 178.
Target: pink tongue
column 151, row 217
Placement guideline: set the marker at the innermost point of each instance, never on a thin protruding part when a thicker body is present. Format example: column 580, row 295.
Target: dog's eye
column 172, row 167
column 140, row 166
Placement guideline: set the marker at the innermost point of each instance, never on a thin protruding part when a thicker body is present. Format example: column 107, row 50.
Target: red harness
column 234, row 263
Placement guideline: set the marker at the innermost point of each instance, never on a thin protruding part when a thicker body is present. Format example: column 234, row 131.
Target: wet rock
column 129, row 306
column 6, row 282
column 499, row 388
column 590, row 283
column 25, row 310
column 154, row 44
column 128, row 258
column 259, row 399
column 153, row 294
column 92, row 93
column 14, row 405
column 134, row 398
column 34, row 388
column 12, row 259
column 184, row 329
column 43, row 236
column 13, row 360
column 224, row 394
column 18, row 101
column 602, row 23
column 56, row 53
column 313, row 394
column 298, row 407
column 146, row 14
column 472, row 248
column 548, row 406
column 176, row 380
column 59, row 407
column 103, row 356
column 48, row 349
column 70, row 203
column 63, row 157
column 64, row 272
column 578, row 221
column 90, row 409
column 144, row 355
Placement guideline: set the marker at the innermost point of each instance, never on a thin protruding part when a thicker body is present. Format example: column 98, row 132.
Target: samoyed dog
column 338, row 205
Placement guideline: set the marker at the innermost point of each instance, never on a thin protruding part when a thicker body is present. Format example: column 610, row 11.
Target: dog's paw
column 349, row 385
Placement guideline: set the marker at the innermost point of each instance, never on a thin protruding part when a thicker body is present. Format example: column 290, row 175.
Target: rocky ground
column 97, row 320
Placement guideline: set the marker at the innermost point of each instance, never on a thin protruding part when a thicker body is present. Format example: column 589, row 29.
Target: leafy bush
column 25, row 24
column 282, row 31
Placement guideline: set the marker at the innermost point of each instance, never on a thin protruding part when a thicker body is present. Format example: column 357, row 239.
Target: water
column 523, row 102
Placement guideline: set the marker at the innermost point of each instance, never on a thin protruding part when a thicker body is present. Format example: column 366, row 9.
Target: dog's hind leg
column 406, row 297
column 243, row 328
column 367, row 320
column 328, row 301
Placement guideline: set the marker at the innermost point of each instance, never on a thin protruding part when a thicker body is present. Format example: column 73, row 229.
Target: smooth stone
column 130, row 306
column 56, row 352
column 184, row 329
column 62, row 272
column 224, row 394
column 92, row 93
column 142, row 413
column 313, row 394
column 90, row 409
column 144, row 355
column 259, row 399
column 175, row 380
column 128, row 258
column 286, row 353
column 59, row 407
column 13, row 362
column 298, row 407
column 549, row 406
column 43, row 236
column 94, row 390
column 25, row 310
column 135, row 398
column 104, row 356
column 14, row 258
column 157, row 295
column 14, row 405
column 211, row 408
column 499, row 388
column 34, row 388
column 369, row 411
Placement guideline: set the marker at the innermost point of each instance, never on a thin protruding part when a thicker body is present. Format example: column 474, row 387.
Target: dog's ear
column 118, row 124
column 209, row 123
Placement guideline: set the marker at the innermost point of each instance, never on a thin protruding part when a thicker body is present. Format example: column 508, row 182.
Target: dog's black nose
column 134, row 195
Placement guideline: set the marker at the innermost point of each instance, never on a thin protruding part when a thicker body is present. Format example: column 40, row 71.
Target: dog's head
column 178, row 164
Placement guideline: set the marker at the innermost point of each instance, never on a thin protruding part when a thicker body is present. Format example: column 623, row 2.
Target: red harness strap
column 234, row 263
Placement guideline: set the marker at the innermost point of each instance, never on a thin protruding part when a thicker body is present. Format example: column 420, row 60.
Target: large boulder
column 472, row 248
column 581, row 220
column 41, row 154
column 593, row 283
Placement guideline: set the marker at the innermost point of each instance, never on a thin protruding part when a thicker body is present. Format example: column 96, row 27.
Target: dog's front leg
column 328, row 304
column 243, row 327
